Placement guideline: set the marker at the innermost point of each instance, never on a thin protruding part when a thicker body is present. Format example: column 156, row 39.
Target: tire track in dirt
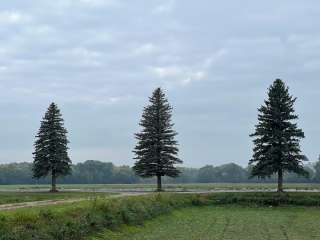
column 265, row 230
column 284, row 232
column 226, row 226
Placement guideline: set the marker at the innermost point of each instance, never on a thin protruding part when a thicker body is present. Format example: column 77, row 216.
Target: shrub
column 74, row 223
column 267, row 199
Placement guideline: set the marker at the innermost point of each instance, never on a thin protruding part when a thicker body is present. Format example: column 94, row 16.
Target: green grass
column 75, row 221
column 226, row 222
column 265, row 199
column 19, row 197
column 82, row 219
column 195, row 186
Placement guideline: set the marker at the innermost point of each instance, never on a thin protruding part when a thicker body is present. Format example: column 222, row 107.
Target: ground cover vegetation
column 77, row 221
column 167, row 187
column 225, row 222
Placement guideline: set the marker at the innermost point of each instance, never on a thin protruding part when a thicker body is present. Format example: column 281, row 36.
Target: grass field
column 170, row 216
column 195, row 186
column 19, row 197
column 75, row 221
column 226, row 222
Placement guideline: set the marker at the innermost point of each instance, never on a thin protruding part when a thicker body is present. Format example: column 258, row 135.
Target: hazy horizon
column 100, row 60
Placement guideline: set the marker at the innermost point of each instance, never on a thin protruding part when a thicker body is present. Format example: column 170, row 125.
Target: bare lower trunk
column 280, row 181
column 53, row 183
column 159, row 184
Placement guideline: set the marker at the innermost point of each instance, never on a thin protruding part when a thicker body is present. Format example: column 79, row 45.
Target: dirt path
column 13, row 206
column 125, row 193
column 151, row 190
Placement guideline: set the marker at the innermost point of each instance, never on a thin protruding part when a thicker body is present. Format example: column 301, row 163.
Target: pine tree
column 277, row 137
column 51, row 150
column 156, row 151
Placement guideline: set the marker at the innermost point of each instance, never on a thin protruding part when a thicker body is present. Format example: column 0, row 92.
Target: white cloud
column 312, row 66
column 101, row 100
column 306, row 44
column 253, row 41
column 165, row 7
column 11, row 17
column 86, row 3
column 92, row 53
column 80, row 56
column 215, row 57
column 200, row 75
column 193, row 77
column 145, row 49
column 84, row 52
column 168, row 71
column 3, row 68
column 99, row 3
column 23, row 91
column 185, row 74
column 181, row 75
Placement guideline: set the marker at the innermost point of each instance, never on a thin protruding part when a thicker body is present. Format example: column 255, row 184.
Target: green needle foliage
column 51, row 150
column 277, row 137
column 156, row 151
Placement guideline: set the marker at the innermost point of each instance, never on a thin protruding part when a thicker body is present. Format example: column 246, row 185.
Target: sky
column 100, row 60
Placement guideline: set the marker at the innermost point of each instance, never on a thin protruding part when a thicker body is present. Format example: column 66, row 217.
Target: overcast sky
column 100, row 60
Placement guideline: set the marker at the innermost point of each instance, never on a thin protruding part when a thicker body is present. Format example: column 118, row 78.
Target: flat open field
column 150, row 187
column 226, row 222
column 20, row 197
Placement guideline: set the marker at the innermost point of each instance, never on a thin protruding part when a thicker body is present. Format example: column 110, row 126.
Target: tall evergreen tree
column 156, row 151
column 277, row 137
column 51, row 150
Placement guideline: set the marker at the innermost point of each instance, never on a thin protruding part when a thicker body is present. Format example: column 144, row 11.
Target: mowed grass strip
column 183, row 186
column 20, row 197
column 226, row 222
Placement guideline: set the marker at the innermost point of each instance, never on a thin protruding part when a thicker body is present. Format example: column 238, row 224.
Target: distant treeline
column 97, row 172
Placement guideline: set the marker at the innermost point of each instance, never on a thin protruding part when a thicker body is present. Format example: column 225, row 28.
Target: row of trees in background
column 97, row 172
column 91, row 171
column 155, row 153
column 276, row 144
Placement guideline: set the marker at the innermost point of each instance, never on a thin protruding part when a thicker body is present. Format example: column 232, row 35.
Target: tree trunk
column 280, row 181
column 159, row 184
column 53, row 183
